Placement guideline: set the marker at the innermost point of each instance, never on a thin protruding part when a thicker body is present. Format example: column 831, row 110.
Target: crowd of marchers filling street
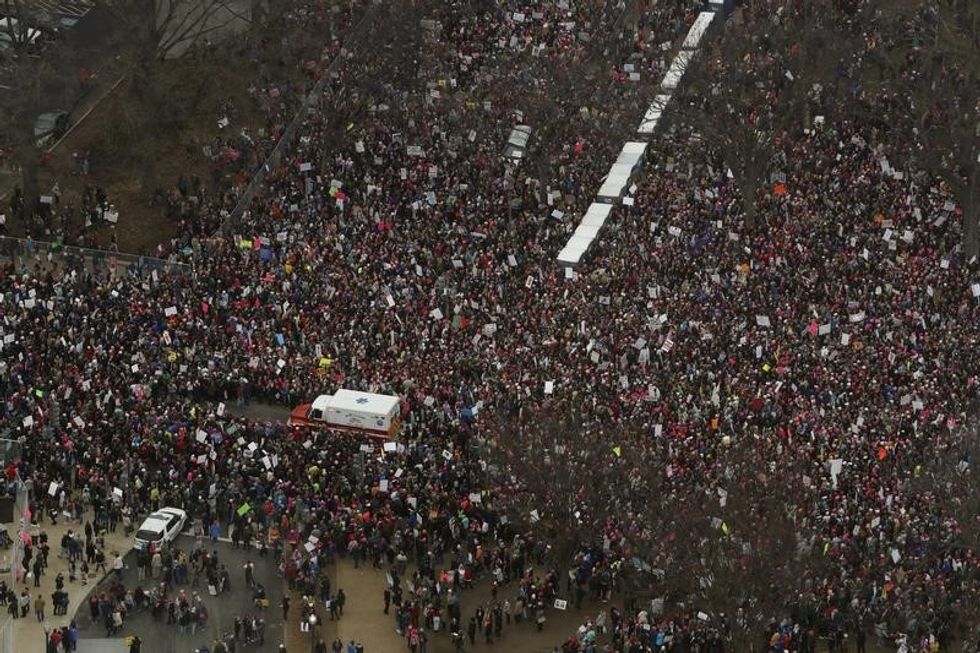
column 830, row 347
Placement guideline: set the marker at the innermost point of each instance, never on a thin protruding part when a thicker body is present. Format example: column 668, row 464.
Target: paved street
column 158, row 637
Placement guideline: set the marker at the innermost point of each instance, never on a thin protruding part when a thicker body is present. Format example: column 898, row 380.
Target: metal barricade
column 30, row 251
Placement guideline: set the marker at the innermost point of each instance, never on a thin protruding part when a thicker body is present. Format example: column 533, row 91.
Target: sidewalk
column 364, row 620
column 28, row 633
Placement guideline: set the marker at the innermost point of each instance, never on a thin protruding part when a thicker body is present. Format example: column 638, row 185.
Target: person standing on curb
column 25, row 603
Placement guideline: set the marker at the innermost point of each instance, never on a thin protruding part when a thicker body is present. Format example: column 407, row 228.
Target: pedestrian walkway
column 364, row 620
column 29, row 633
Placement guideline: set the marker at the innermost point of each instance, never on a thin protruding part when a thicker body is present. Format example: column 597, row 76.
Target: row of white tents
column 629, row 163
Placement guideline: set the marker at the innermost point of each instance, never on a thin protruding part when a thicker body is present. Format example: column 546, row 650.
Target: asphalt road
column 160, row 638
column 260, row 411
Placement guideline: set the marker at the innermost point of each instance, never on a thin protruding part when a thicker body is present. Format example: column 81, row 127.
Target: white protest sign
column 836, row 466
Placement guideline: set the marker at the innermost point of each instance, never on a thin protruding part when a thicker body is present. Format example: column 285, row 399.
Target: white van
column 353, row 410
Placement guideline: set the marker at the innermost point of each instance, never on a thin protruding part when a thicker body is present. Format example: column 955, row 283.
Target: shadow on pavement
column 159, row 637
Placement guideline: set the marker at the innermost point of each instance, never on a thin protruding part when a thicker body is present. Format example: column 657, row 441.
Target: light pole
column 312, row 621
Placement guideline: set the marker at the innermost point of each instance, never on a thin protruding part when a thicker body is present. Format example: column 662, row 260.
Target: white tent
column 614, row 186
column 676, row 71
column 653, row 114
column 596, row 215
column 698, row 29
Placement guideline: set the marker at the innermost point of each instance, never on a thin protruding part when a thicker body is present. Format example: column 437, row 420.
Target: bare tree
column 729, row 545
column 951, row 478
column 564, row 477
column 757, row 84
column 932, row 58
column 148, row 33
column 39, row 83
column 19, row 29
column 165, row 29
column 735, row 552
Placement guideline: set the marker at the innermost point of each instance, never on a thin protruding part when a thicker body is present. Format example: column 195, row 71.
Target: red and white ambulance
column 371, row 413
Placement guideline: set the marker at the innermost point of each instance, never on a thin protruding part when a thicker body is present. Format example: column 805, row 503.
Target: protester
column 835, row 332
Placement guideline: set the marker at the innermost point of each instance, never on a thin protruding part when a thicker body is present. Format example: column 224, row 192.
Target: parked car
column 164, row 525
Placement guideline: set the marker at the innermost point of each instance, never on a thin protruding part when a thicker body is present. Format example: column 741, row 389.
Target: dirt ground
column 111, row 130
column 117, row 137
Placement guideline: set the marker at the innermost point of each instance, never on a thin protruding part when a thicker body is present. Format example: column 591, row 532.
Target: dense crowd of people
column 402, row 254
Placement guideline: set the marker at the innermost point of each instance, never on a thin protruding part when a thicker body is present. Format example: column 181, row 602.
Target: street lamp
column 312, row 621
